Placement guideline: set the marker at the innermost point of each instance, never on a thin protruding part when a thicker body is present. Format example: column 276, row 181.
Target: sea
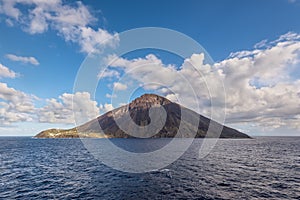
column 259, row 168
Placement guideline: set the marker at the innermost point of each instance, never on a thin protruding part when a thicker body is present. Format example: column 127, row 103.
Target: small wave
column 165, row 170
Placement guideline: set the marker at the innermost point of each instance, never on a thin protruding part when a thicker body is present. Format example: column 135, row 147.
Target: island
column 136, row 115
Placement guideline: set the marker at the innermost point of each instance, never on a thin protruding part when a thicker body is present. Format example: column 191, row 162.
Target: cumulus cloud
column 23, row 59
column 106, row 107
column 15, row 106
column 72, row 22
column 261, row 85
column 5, row 72
column 146, row 70
column 69, row 108
column 109, row 74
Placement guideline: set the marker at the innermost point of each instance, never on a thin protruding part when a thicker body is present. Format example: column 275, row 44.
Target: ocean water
column 261, row 168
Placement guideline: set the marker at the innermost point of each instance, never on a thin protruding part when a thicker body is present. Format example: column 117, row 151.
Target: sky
column 255, row 46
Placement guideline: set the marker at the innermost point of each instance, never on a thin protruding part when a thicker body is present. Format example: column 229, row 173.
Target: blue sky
column 42, row 46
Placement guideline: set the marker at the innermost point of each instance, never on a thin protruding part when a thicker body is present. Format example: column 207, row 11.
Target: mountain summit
column 148, row 116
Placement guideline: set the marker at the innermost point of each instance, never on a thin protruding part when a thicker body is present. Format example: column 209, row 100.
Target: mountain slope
column 176, row 121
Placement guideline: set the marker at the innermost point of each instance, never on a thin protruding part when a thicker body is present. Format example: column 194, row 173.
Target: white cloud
column 106, row 107
column 69, row 108
column 147, row 70
column 119, row 86
column 122, row 104
column 5, row 72
column 73, row 23
column 242, row 54
column 90, row 39
column 261, row 44
column 289, row 36
column 23, row 59
column 110, row 95
column 172, row 97
column 109, row 74
column 7, row 7
column 15, row 106
column 262, row 85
